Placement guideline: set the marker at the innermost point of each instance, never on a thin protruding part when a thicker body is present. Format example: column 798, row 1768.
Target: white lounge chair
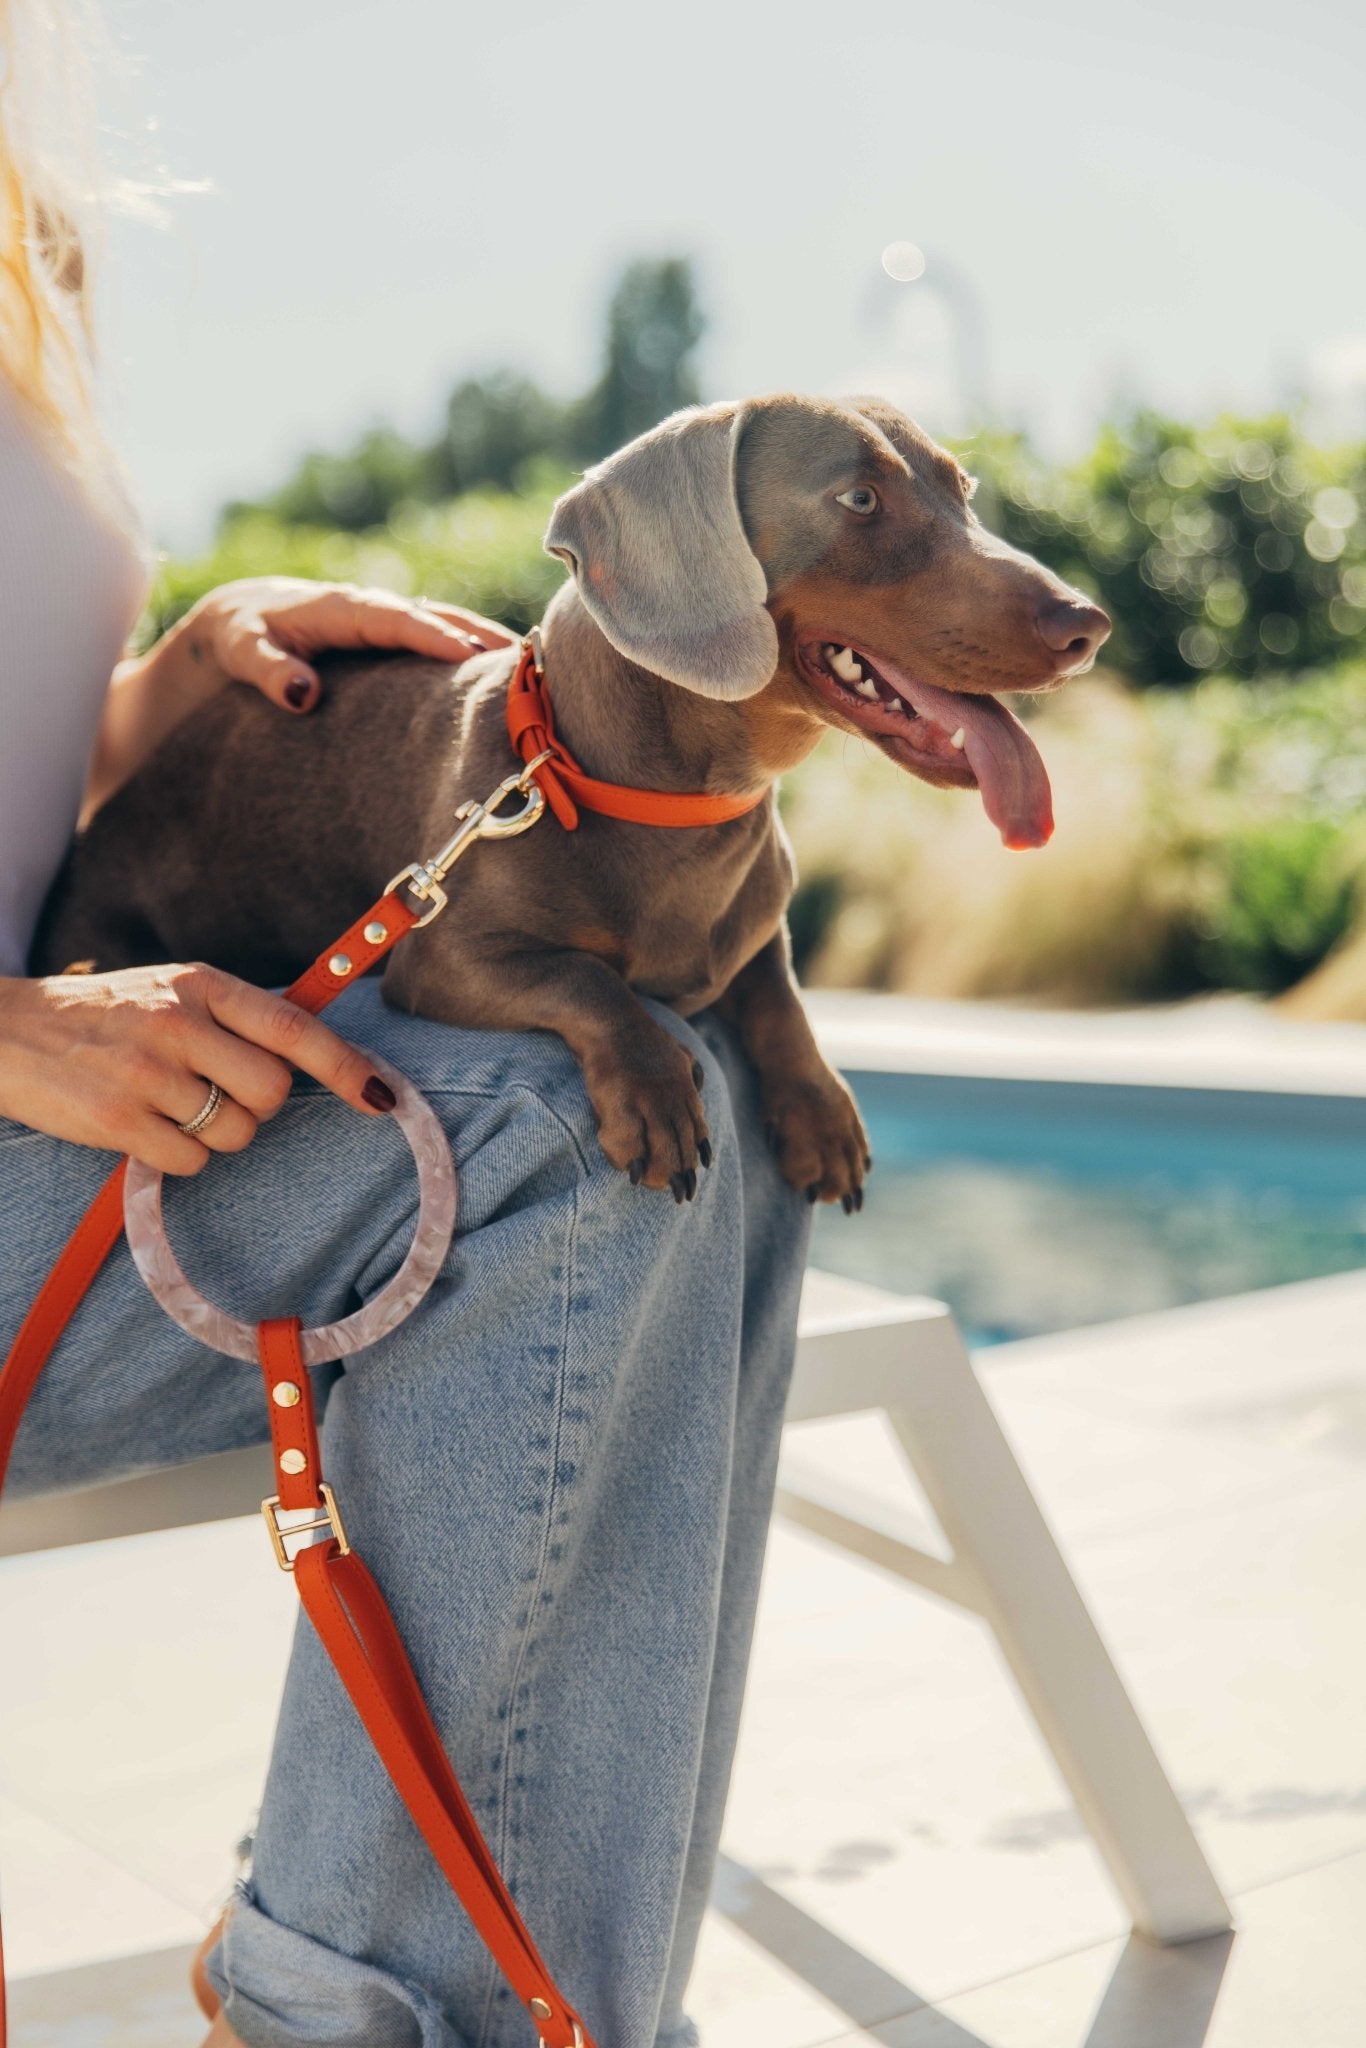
column 862, row 1350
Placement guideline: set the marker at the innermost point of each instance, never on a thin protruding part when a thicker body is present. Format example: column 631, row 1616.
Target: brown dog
column 743, row 577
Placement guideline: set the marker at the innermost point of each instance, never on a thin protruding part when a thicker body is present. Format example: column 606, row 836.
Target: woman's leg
column 559, row 1471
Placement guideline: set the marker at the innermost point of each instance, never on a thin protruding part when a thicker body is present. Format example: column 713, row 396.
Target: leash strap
column 340, row 1597
column 566, row 786
column 357, row 1630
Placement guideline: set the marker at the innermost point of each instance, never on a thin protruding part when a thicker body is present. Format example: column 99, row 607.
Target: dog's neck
column 625, row 724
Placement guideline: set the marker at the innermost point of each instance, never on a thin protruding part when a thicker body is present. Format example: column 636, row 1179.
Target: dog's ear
column 654, row 540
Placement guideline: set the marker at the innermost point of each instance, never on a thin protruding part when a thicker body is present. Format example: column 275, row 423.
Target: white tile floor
column 902, row 1865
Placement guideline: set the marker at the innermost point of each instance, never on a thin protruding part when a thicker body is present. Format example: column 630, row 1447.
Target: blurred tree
column 499, row 424
column 352, row 491
column 494, row 426
column 653, row 326
column 1234, row 546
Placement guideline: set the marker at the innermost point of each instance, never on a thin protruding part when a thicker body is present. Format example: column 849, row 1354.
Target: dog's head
column 828, row 553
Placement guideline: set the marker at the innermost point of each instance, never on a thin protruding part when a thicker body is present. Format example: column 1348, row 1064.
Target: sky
column 1164, row 202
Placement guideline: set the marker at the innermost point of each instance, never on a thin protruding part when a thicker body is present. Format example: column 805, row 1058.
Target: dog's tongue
column 1016, row 794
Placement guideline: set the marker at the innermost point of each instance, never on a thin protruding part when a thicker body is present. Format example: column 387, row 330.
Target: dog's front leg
column 812, row 1120
column 643, row 1085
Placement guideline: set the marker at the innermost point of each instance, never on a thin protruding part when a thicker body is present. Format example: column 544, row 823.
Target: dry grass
column 929, row 902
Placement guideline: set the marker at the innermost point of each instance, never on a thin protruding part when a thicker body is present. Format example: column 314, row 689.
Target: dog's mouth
column 949, row 737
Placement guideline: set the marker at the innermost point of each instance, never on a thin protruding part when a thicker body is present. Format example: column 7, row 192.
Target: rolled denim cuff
column 281, row 1989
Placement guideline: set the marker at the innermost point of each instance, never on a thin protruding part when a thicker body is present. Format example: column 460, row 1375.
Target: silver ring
column 207, row 1113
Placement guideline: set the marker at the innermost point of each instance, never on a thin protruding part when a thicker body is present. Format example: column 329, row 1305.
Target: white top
column 72, row 577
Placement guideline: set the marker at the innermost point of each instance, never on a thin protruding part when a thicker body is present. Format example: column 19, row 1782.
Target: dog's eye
column 862, row 499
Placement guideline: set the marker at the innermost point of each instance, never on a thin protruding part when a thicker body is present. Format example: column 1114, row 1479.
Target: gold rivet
column 376, row 933
column 539, row 2009
column 285, row 1394
column 292, row 1462
column 340, row 963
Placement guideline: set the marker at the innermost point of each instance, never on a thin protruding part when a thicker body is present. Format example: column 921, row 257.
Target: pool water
column 1036, row 1206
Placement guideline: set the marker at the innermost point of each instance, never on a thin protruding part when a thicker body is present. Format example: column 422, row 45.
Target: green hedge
column 482, row 550
column 1236, row 546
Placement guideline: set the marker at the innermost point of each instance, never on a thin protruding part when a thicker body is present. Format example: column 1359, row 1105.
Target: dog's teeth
column 866, row 687
column 959, row 739
column 845, row 664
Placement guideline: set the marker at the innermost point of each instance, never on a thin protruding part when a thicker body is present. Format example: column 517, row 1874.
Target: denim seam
column 533, row 1604
column 444, row 1089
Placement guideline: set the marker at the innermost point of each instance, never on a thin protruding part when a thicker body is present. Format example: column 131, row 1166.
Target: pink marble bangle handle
column 184, row 1304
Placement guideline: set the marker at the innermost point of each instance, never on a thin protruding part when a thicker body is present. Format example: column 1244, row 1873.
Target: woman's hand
column 263, row 631
column 118, row 1060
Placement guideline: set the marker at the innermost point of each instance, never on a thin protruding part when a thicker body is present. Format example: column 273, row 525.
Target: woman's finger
column 230, row 1129
column 250, row 654
column 283, row 1028
column 473, row 623
column 379, row 619
column 154, row 1141
column 257, row 1079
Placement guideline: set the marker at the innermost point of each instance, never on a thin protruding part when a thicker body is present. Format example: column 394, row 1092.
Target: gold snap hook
column 423, row 879
column 498, row 824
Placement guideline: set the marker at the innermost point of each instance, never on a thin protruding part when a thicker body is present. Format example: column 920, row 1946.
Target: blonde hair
column 50, row 208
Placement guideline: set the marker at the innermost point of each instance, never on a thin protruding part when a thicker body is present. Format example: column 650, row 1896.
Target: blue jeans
column 560, row 1471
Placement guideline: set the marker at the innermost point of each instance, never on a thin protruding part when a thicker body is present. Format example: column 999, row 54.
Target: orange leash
column 566, row 786
column 339, row 1595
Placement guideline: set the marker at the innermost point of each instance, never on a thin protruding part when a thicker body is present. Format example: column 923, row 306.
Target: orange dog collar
column 566, row 786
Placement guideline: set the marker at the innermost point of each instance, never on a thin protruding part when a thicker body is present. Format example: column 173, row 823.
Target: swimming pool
column 1032, row 1206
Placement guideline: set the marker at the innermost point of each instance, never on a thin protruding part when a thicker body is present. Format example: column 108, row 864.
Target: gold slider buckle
column 488, row 820
column 328, row 1518
column 578, row 2036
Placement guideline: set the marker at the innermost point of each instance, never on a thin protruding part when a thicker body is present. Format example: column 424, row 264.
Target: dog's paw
column 813, row 1125
column 651, row 1123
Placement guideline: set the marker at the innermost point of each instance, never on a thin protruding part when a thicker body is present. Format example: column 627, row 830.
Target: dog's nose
column 1072, row 630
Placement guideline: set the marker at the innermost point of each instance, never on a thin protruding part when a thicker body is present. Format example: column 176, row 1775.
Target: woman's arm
column 263, row 631
column 119, row 1060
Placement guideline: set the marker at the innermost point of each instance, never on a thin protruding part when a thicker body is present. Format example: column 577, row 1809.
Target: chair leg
column 969, row 1473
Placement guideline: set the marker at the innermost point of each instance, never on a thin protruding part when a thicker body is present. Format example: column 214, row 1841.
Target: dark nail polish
column 813, row 1192
column 699, row 1074
column 378, row 1094
column 704, row 1151
column 637, row 1172
column 296, row 692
